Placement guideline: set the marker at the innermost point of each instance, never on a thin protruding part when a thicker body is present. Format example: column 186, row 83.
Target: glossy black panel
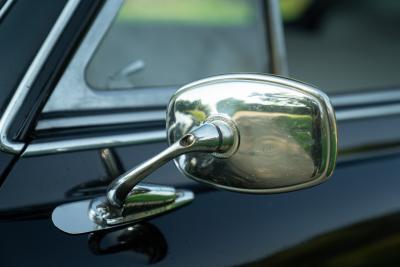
column 167, row 174
column 23, row 29
column 6, row 161
column 73, row 175
column 144, row 238
column 47, row 179
column 77, row 174
column 373, row 242
column 224, row 228
column 351, row 135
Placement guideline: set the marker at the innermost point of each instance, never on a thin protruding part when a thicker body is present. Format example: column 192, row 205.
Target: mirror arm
column 216, row 136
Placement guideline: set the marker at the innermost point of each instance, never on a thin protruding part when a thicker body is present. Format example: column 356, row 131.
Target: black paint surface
column 217, row 229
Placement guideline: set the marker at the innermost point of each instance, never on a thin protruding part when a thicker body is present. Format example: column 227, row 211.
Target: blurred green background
column 339, row 45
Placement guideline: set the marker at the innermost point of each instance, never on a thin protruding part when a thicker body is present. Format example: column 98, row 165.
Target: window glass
column 343, row 45
column 156, row 43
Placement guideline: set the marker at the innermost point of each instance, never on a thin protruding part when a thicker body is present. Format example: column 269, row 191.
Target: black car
column 115, row 113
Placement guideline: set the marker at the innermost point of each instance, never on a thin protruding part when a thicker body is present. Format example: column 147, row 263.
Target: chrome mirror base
column 144, row 201
column 128, row 201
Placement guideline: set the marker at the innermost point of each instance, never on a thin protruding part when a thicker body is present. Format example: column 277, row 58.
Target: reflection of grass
column 209, row 12
column 199, row 115
column 293, row 9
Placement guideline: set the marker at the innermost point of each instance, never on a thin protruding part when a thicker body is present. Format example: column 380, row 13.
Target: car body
column 54, row 138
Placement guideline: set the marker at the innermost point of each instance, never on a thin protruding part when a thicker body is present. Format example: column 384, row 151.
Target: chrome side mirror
column 283, row 132
column 241, row 132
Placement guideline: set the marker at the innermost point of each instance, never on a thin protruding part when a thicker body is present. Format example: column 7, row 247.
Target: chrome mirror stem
column 129, row 201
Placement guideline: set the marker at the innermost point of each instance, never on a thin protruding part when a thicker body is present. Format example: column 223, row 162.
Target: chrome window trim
column 80, row 95
column 103, row 119
column 276, row 39
column 377, row 102
column 368, row 112
column 365, row 98
column 38, row 149
column 5, row 7
column 93, row 143
column 6, row 144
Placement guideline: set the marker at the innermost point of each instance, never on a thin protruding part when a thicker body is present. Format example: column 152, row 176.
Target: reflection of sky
column 248, row 92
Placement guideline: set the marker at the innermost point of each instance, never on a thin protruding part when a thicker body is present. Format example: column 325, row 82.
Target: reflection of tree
column 196, row 109
column 231, row 105
column 281, row 103
column 187, row 114
column 265, row 103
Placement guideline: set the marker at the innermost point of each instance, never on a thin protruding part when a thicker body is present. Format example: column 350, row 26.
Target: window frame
column 7, row 143
column 73, row 92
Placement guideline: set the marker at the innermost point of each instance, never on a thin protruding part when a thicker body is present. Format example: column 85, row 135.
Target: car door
column 85, row 86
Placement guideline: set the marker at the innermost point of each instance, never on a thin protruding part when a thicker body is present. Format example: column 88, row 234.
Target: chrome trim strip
column 374, row 98
column 363, row 98
column 276, row 39
column 93, row 143
column 368, row 112
column 98, row 120
column 156, row 136
column 5, row 8
column 6, row 144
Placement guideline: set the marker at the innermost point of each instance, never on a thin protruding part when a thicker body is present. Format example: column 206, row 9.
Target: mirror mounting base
column 128, row 200
column 143, row 202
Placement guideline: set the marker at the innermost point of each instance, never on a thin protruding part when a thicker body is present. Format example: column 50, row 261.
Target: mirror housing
column 286, row 132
